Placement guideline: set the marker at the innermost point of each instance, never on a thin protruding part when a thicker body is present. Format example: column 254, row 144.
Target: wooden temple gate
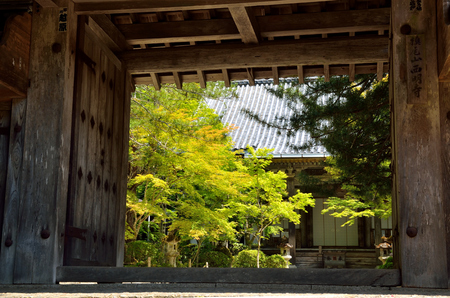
column 64, row 116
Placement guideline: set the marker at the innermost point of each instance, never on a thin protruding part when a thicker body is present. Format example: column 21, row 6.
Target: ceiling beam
column 108, row 33
column 269, row 26
column 137, row 6
column 187, row 31
column 307, row 71
column 325, row 22
column 275, row 53
column 246, row 24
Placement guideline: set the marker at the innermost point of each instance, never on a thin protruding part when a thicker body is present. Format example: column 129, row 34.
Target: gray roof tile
column 249, row 132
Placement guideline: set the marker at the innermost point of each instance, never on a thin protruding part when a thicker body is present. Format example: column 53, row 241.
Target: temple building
column 317, row 234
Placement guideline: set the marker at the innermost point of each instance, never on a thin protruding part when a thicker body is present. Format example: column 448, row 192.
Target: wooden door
column 97, row 190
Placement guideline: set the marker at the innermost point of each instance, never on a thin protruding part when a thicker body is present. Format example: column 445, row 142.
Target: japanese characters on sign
column 62, row 26
column 415, row 5
column 416, row 70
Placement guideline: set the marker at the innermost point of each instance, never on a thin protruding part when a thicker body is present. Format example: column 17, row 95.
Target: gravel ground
column 142, row 290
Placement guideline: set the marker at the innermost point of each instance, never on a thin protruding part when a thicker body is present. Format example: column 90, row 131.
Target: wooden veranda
column 69, row 67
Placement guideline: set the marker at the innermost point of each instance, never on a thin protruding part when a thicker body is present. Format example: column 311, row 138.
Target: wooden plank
column 77, row 196
column 5, row 105
column 417, row 155
column 300, row 74
column 12, row 198
column 250, row 77
column 43, row 193
column 325, row 22
column 104, row 48
column 108, row 33
column 155, row 80
column 14, row 54
column 122, row 197
column 276, row 76
column 326, row 72
column 354, row 277
column 107, row 217
column 309, row 71
column 177, row 79
column 327, row 51
column 226, row 77
column 187, row 31
column 201, row 78
column 444, row 105
column 114, row 7
column 266, row 26
column 5, row 122
column 89, row 201
column 443, row 42
column 246, row 24
column 117, row 153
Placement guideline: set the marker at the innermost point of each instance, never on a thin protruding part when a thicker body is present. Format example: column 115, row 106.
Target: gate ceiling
column 176, row 41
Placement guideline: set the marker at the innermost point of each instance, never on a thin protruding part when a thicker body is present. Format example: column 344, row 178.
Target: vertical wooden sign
column 417, row 93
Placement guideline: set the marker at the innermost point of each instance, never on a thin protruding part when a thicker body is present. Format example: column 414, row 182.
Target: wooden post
column 418, row 199
column 40, row 229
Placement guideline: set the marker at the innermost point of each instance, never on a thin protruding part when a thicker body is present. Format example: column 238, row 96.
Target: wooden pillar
column 39, row 222
column 417, row 157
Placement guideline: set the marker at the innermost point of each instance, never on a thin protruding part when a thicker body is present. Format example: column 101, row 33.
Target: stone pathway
column 143, row 290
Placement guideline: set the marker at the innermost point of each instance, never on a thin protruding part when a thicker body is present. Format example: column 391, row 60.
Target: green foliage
column 262, row 203
column 275, row 261
column 248, row 259
column 181, row 162
column 138, row 252
column 352, row 121
column 215, row 259
column 388, row 265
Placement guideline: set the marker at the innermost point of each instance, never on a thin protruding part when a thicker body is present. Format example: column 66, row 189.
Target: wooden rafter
column 246, row 24
column 102, row 26
column 187, row 31
column 276, row 53
column 114, row 7
column 233, row 75
column 269, row 26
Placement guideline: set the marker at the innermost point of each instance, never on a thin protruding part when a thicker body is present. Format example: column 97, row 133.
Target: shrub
column 388, row 265
column 215, row 259
column 138, row 252
column 275, row 261
column 247, row 259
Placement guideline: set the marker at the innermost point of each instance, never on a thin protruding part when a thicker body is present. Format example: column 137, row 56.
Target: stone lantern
column 171, row 249
column 285, row 251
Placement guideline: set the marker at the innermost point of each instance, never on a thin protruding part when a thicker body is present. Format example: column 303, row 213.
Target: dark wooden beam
column 114, row 7
column 108, row 33
column 268, row 26
column 234, row 75
column 246, row 24
column 325, row 22
column 187, row 31
column 226, row 56
column 311, row 276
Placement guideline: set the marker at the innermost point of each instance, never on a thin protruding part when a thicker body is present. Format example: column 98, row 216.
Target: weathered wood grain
column 246, row 23
column 117, row 155
column 171, row 5
column 108, row 206
column 14, row 54
column 5, row 120
column 418, row 164
column 353, row 277
column 108, row 33
column 313, row 52
column 308, row 71
column 11, row 206
column 43, row 191
column 76, row 194
column 122, row 197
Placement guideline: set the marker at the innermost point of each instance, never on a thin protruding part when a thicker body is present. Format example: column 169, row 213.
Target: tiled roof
column 249, row 132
